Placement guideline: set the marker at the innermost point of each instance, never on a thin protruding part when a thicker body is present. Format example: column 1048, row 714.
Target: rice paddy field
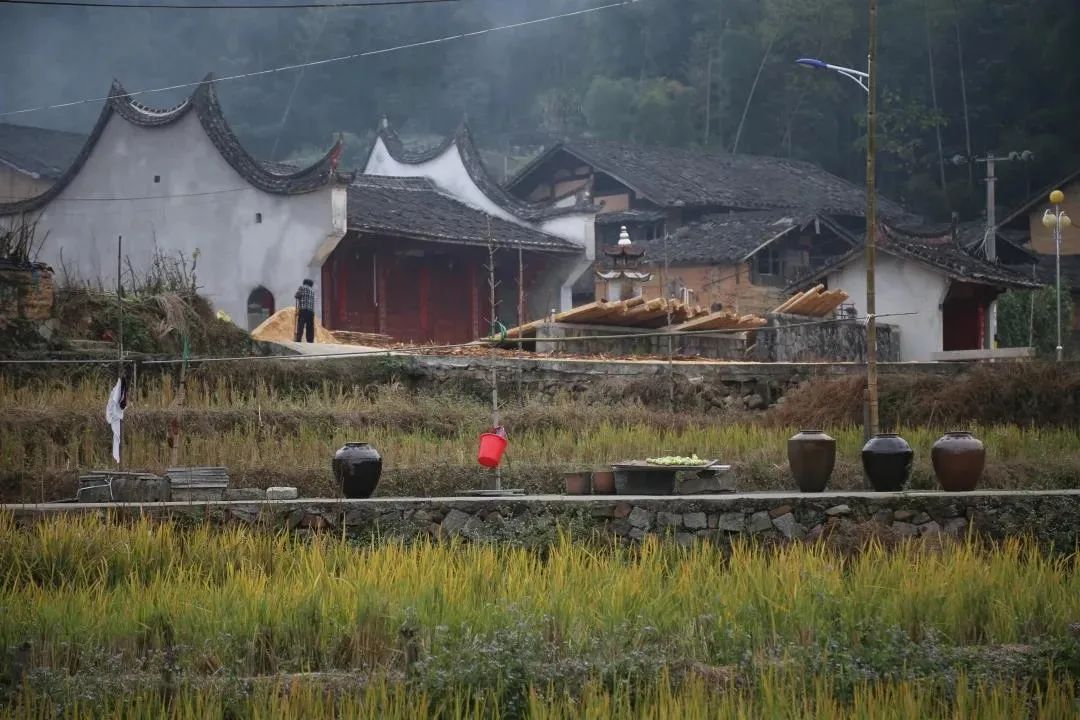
column 285, row 431
column 109, row 620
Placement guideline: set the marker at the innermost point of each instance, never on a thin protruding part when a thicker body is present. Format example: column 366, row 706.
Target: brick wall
column 26, row 294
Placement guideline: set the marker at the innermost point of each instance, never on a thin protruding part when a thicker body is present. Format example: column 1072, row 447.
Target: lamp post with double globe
column 1056, row 220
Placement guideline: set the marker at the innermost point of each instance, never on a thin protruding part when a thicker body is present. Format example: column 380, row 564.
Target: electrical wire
column 257, row 6
column 327, row 61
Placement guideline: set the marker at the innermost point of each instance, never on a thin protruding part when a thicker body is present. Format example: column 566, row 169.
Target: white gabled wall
column 901, row 286
column 448, row 172
column 200, row 203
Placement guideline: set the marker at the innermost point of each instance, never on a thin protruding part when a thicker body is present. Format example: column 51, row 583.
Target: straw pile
column 281, row 327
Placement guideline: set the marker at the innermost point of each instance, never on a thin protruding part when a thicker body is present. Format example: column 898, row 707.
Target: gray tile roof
column 937, row 248
column 39, row 152
column 204, row 103
column 415, row 208
column 673, row 177
column 724, row 237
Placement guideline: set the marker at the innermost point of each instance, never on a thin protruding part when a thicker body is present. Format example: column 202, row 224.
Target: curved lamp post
column 868, row 82
column 1056, row 220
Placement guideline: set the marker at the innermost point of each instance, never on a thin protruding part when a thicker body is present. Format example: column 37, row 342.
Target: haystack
column 281, row 327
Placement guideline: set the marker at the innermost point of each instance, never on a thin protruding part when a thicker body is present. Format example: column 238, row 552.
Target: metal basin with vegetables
column 655, row 476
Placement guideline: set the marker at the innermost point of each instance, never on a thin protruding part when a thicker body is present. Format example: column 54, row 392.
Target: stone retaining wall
column 1052, row 517
column 793, row 338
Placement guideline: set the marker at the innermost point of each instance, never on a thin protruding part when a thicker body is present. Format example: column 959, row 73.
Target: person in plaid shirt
column 305, row 311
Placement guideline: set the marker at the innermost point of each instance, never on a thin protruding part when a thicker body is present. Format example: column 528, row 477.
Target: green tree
column 1029, row 317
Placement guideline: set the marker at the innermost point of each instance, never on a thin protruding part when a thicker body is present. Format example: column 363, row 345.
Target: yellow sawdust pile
column 281, row 327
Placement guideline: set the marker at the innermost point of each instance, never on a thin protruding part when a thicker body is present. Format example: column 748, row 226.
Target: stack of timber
column 815, row 302
column 197, row 483
column 722, row 320
column 637, row 312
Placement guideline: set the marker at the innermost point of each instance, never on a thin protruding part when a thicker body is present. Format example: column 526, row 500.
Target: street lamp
column 868, row 82
column 1056, row 220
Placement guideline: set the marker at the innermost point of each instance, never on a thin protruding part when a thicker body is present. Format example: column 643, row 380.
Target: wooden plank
column 794, row 299
column 580, row 312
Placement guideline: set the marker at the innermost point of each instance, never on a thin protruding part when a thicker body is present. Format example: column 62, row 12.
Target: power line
column 258, row 6
column 327, row 61
column 139, row 197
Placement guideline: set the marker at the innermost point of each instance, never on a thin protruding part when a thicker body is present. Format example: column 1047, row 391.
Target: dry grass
column 275, row 433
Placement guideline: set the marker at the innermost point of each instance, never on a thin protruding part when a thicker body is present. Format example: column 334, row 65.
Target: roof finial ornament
column 384, row 123
column 624, row 237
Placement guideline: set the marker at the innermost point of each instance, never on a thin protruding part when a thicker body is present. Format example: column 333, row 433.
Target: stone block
column 903, row 515
column 815, row 533
column 930, row 528
column 732, row 522
column 760, row 522
column 622, row 510
column 637, row 533
column 245, row 494
column 455, row 521
column 921, row 519
column 666, row 520
column 695, row 521
column 905, row 529
column 640, row 517
column 789, row 527
column 838, row 510
column 620, row 527
column 956, row 526
column 883, row 517
column 282, row 493
column 778, row 511
column 710, row 485
column 685, row 539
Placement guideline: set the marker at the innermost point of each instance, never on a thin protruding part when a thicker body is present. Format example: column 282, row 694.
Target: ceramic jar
column 886, row 458
column 811, row 456
column 357, row 467
column 959, row 459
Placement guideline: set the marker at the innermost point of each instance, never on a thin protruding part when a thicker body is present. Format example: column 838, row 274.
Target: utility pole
column 708, row 97
column 871, row 227
column 120, row 336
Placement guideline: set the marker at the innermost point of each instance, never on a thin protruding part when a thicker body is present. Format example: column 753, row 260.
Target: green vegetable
column 676, row 460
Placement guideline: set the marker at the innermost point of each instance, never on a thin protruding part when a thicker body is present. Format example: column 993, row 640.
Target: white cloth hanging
column 114, row 415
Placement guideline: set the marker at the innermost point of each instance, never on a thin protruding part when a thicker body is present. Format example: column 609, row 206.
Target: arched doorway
column 260, row 305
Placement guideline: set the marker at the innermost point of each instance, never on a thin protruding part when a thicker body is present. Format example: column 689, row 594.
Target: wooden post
column 871, row 227
column 120, row 334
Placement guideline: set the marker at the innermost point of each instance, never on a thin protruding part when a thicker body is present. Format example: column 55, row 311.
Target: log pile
column 815, row 302
column 638, row 312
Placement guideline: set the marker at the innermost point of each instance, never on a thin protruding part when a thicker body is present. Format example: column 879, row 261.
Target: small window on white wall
column 258, row 218
column 157, row 178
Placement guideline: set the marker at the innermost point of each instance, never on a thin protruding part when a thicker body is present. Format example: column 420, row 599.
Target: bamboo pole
column 871, row 227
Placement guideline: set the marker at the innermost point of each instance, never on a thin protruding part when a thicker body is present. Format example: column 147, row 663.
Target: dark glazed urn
column 357, row 467
column 886, row 458
column 958, row 459
column 811, row 455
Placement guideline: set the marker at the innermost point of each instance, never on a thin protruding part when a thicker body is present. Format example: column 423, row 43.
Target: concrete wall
column 789, row 338
column 902, row 286
column 1042, row 238
column 1052, row 518
column 200, row 203
column 15, row 185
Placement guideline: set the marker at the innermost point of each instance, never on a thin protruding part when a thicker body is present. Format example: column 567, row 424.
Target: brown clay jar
column 577, row 483
column 811, row 456
column 603, row 482
column 959, row 459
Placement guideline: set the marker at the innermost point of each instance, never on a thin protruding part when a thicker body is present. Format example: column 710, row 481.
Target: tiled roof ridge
column 205, row 103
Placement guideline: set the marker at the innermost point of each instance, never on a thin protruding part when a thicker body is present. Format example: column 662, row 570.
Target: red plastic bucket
column 492, row 447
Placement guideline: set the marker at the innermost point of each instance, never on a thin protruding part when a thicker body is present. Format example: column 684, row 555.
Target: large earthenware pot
column 357, row 467
column 603, row 482
column 886, row 458
column 811, row 455
column 958, row 459
column 577, row 483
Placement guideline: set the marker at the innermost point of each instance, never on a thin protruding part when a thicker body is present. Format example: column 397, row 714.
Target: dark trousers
column 305, row 325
